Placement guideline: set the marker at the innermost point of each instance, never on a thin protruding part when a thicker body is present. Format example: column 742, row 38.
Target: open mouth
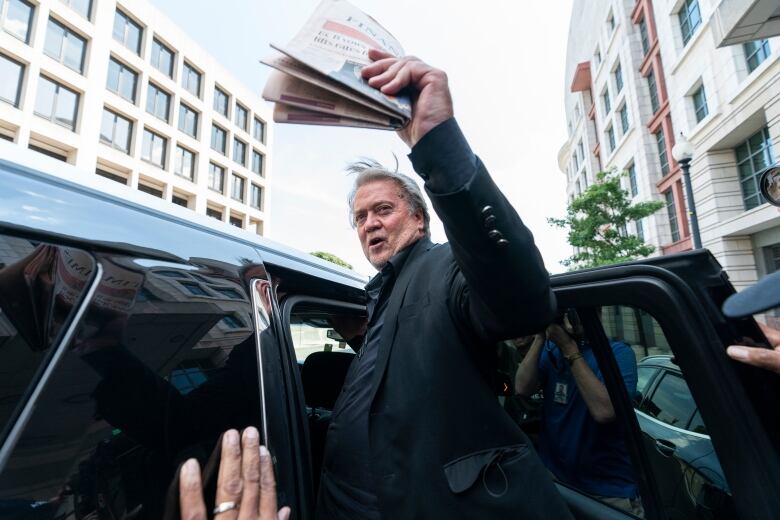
column 375, row 242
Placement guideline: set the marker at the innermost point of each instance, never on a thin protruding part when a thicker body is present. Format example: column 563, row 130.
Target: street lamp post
column 683, row 153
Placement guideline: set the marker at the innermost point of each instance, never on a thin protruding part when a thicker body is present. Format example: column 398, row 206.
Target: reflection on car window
column 313, row 332
column 697, row 425
column 39, row 286
column 671, row 401
column 157, row 371
column 644, row 376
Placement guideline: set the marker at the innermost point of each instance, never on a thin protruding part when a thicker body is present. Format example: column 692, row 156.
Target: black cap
column 765, row 294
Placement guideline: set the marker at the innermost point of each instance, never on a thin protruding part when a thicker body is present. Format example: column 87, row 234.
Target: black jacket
column 441, row 445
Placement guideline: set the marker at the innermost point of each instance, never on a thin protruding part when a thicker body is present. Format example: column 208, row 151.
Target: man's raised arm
column 504, row 272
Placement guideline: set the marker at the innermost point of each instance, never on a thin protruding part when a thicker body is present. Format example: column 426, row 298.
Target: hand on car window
column 757, row 356
column 246, row 488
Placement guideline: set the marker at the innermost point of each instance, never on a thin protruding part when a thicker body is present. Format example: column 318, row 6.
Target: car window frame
column 714, row 381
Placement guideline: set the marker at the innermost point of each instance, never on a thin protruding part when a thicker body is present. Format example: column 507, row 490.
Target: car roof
column 659, row 361
column 26, row 176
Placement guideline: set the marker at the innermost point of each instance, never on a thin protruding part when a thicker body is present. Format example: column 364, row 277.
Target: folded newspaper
column 317, row 79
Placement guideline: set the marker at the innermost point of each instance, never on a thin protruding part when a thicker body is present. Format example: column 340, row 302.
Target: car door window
column 40, row 285
column 163, row 362
column 671, row 402
column 313, row 332
column 645, row 376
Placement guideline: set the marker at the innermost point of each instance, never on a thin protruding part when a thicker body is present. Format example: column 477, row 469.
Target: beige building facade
column 117, row 89
column 639, row 73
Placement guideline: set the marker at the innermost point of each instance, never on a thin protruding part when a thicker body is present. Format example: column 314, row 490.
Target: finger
column 229, row 480
column 250, row 472
column 377, row 67
column 772, row 334
column 388, row 75
column 191, row 492
column 267, row 486
column 411, row 74
column 284, row 513
column 758, row 357
column 378, row 54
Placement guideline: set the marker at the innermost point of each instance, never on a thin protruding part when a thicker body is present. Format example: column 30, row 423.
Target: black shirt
column 345, row 489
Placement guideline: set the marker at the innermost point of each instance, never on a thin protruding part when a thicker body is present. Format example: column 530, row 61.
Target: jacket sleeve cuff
column 443, row 158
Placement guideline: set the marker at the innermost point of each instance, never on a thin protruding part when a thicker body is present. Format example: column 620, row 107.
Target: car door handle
column 665, row 447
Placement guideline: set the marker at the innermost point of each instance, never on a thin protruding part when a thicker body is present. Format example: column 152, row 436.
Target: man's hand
column 760, row 357
column 245, row 487
column 428, row 88
column 560, row 337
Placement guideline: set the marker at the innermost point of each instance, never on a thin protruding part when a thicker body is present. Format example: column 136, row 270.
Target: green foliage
column 330, row 257
column 597, row 222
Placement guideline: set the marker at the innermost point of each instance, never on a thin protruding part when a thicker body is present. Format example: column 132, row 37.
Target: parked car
column 132, row 335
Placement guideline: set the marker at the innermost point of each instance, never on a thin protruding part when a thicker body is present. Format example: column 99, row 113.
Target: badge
column 561, row 393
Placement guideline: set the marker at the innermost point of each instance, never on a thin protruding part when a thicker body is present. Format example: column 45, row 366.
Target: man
column 579, row 441
column 417, row 431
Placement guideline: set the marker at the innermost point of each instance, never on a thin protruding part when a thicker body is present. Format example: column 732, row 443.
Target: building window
column 191, row 80
column 618, row 78
column 256, row 196
column 162, row 58
column 218, row 139
column 127, row 32
column 239, row 151
column 640, row 230
column 121, row 80
column 700, row 104
column 755, row 53
column 111, row 176
column 57, row 103
column 654, row 103
column 690, row 19
column 158, row 102
column 12, row 73
column 216, row 178
column 65, row 46
column 662, row 157
column 607, row 103
column 83, row 7
column 213, row 213
column 237, row 188
column 671, row 210
column 236, row 221
column 624, row 118
column 597, row 58
column 116, row 131
column 221, row 99
column 580, row 151
column 48, row 152
column 16, row 18
column 184, row 163
column 151, row 190
column 611, row 23
column 753, row 155
column 611, row 138
column 257, row 162
column 242, row 117
column 180, row 201
column 644, row 37
column 188, row 120
column 585, row 180
column 154, row 147
column 258, row 130
column 632, row 180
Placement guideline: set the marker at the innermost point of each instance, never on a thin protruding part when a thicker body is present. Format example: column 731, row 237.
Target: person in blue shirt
column 580, row 442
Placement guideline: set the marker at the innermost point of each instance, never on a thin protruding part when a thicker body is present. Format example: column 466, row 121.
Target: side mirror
column 769, row 182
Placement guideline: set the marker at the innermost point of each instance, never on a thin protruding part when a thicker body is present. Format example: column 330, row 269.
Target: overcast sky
column 505, row 61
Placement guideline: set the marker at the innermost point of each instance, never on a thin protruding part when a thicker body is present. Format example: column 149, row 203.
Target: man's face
column 383, row 221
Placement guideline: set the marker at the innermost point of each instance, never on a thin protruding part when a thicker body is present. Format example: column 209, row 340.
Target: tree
column 330, row 257
column 597, row 222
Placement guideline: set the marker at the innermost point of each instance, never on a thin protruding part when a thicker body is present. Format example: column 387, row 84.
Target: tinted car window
column 644, row 376
column 697, row 425
column 671, row 401
column 39, row 286
column 154, row 375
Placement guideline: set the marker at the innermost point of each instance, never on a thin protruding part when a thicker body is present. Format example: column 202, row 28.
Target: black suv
column 131, row 337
